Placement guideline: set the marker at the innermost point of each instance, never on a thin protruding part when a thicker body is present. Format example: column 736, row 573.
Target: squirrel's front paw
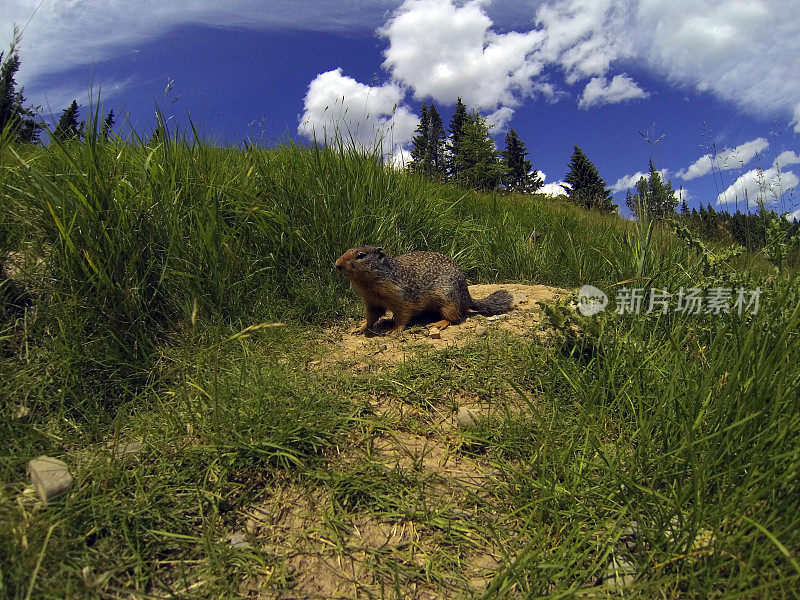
column 360, row 329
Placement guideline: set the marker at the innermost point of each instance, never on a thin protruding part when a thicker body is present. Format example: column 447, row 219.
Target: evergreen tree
column 518, row 176
column 460, row 117
column 421, row 142
column 68, row 128
column 478, row 162
column 13, row 112
column 436, row 145
column 108, row 124
column 654, row 199
column 588, row 188
column 662, row 197
column 684, row 205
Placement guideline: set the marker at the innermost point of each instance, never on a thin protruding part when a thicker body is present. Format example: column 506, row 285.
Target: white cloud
column 681, row 194
column 337, row 105
column 558, row 188
column 724, row 160
column 582, row 37
column 66, row 34
column 759, row 185
column 443, row 51
column 794, row 216
column 796, row 119
column 600, row 91
column 498, row 120
column 743, row 51
column 627, row 182
column 785, row 159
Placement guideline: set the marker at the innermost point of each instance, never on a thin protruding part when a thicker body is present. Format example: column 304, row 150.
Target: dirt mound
column 376, row 348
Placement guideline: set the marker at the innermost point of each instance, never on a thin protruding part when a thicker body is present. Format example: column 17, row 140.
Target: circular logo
column 591, row 300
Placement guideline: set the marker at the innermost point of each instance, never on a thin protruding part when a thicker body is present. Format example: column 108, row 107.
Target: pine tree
column 108, row 124
column 518, row 176
column 13, row 112
column 421, row 145
column 661, row 195
column 460, row 116
column 436, row 144
column 588, row 188
column 478, row 162
column 68, row 128
column 654, row 199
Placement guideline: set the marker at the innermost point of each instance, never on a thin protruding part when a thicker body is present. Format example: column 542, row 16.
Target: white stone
column 50, row 476
column 466, row 417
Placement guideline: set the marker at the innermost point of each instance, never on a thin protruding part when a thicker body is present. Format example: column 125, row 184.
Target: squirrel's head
column 361, row 261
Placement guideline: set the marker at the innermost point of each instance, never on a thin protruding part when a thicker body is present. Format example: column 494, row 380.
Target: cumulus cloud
column 582, row 36
column 443, row 51
column 627, row 182
column 725, row 160
column 557, row 188
column 370, row 116
column 600, row 91
column 758, row 185
column 784, row 159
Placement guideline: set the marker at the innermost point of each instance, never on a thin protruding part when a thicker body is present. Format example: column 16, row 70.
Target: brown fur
column 413, row 283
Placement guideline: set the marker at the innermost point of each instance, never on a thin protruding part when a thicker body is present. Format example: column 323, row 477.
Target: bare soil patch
column 376, row 348
column 406, row 510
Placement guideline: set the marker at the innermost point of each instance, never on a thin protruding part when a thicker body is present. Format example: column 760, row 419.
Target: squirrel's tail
column 494, row 304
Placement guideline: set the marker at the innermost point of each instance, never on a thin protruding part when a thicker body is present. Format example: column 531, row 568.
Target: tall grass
column 141, row 239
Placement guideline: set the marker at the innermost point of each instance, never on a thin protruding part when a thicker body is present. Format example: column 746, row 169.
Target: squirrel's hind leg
column 450, row 315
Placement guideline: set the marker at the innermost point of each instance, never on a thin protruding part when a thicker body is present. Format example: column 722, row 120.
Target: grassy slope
column 680, row 428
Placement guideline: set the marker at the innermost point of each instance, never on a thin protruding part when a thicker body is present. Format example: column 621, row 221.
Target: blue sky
column 716, row 81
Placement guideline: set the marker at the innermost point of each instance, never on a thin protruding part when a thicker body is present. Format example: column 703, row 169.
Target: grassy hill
column 166, row 328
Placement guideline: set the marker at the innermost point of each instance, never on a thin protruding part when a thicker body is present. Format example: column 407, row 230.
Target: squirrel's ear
column 380, row 252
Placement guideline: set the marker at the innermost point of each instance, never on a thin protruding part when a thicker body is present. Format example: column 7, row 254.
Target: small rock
column 50, row 476
column 238, row 540
column 496, row 317
column 128, row 449
column 480, row 331
column 435, row 334
column 466, row 417
column 621, row 572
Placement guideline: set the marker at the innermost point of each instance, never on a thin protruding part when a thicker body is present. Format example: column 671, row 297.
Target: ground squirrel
column 413, row 283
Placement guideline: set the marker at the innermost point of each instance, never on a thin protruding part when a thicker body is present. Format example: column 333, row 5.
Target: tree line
column 465, row 154
column 468, row 155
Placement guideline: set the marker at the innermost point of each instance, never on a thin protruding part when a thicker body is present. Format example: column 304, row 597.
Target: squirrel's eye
column 360, row 255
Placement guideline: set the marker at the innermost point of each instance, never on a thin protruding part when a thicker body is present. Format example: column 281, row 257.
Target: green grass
column 661, row 444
